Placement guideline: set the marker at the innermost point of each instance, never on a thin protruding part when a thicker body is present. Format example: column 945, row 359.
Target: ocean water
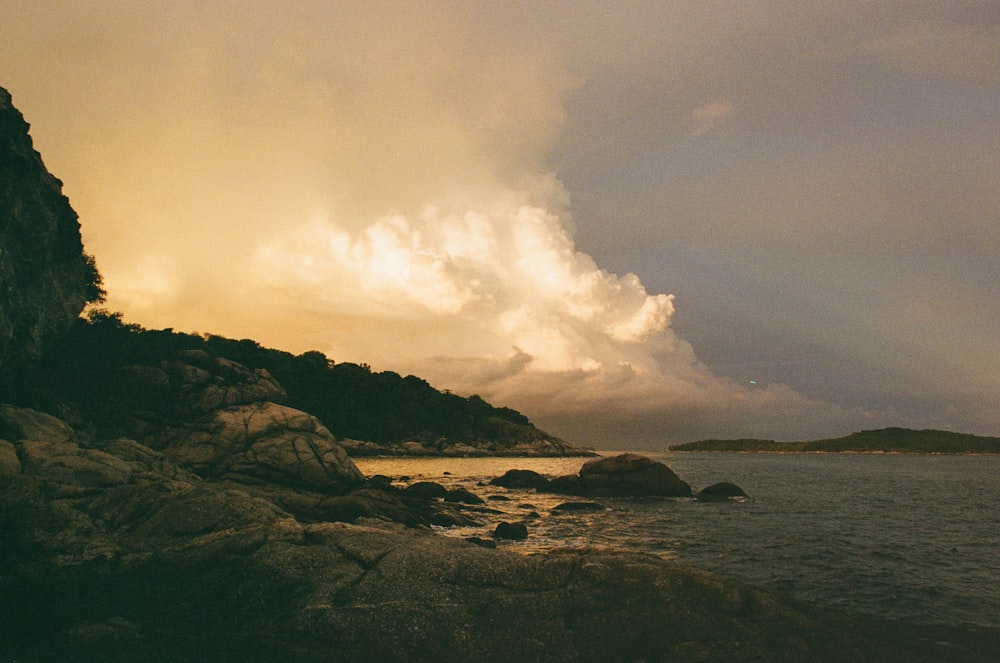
column 908, row 537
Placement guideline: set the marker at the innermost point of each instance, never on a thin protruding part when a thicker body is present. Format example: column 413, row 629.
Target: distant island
column 884, row 440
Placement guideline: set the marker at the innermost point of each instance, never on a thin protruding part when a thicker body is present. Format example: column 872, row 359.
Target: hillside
column 885, row 440
column 369, row 412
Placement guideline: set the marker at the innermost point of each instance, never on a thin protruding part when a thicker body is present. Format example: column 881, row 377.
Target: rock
column 721, row 491
column 369, row 503
column 380, row 481
column 577, row 507
column 44, row 273
column 511, row 531
column 265, row 442
column 482, row 543
column 9, row 463
column 25, row 424
column 567, row 484
column 425, row 490
column 630, row 475
column 461, row 495
column 521, row 479
column 214, row 416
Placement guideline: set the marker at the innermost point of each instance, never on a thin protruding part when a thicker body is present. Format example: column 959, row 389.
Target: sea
column 915, row 538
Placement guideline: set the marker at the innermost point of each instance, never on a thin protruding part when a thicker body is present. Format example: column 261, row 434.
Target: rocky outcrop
column 43, row 273
column 147, row 561
column 217, row 418
column 624, row 475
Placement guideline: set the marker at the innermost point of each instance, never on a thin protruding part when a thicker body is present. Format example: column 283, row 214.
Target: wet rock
column 511, row 531
column 482, row 543
column 381, row 482
column 721, row 491
column 463, row 496
column 578, row 507
column 567, row 484
column 528, row 479
column 630, row 475
column 425, row 490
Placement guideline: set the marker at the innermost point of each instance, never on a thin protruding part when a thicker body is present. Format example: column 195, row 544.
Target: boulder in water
column 630, row 475
column 521, row 479
column 719, row 492
column 511, row 531
column 578, row 507
column 463, row 496
column 425, row 490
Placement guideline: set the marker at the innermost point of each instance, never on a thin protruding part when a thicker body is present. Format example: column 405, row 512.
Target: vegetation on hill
column 885, row 440
column 350, row 399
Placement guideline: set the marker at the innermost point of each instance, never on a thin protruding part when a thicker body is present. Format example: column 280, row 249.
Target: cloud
column 377, row 185
column 712, row 116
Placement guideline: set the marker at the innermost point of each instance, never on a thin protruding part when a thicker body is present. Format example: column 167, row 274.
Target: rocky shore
column 194, row 517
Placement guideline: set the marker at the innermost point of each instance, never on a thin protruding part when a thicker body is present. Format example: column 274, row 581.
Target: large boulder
column 43, row 271
column 630, row 475
column 265, row 442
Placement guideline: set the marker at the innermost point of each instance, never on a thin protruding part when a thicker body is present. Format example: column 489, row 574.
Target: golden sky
column 640, row 225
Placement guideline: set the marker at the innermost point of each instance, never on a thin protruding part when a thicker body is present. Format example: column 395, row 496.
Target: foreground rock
column 118, row 552
column 624, row 475
column 166, row 566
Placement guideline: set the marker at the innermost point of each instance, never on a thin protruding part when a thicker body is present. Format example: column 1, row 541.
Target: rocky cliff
column 43, row 272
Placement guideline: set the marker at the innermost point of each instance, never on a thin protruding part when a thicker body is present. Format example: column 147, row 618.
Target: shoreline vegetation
column 371, row 413
column 881, row 441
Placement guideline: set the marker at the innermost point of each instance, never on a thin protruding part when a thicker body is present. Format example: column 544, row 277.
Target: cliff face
column 43, row 273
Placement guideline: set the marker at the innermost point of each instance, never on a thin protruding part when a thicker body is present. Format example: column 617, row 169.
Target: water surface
column 911, row 537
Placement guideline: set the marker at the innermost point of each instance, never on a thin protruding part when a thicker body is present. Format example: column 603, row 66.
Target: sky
column 639, row 223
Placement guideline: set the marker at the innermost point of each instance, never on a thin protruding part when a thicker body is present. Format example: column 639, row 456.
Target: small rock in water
column 482, row 543
column 575, row 507
column 521, row 479
column 512, row 531
column 721, row 491
column 380, row 481
column 425, row 490
column 463, row 496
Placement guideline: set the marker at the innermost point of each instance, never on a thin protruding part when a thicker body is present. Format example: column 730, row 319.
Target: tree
column 94, row 282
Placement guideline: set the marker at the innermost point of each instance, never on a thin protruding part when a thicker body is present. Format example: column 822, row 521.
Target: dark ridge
column 353, row 401
column 884, row 440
